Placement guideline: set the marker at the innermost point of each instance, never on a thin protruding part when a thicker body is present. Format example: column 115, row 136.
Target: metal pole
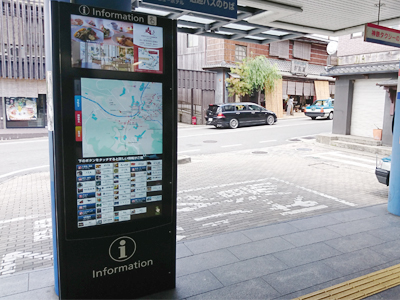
column 394, row 186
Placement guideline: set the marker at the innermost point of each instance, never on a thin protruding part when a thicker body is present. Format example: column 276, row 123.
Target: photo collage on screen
column 116, row 45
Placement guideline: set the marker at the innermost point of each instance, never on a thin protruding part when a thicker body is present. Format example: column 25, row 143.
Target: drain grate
column 209, row 141
column 309, row 137
column 294, row 140
column 359, row 288
column 259, row 152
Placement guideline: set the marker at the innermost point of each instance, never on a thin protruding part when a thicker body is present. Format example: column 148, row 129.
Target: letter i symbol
column 122, row 249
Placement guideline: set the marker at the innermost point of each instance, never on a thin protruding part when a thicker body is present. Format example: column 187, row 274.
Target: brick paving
column 219, row 193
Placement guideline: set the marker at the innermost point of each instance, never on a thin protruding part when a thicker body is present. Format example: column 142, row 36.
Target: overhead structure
column 263, row 22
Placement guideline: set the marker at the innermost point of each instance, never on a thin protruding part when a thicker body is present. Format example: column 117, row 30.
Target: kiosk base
column 121, row 267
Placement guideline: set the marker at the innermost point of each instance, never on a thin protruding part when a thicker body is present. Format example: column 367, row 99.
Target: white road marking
column 25, row 142
column 316, row 192
column 180, row 237
column 353, row 163
column 340, row 154
column 222, row 185
column 268, row 141
column 244, row 130
column 236, row 212
column 235, row 145
column 9, row 260
column 213, row 224
column 17, row 219
column 194, row 150
column 23, row 170
column 43, row 230
column 303, row 210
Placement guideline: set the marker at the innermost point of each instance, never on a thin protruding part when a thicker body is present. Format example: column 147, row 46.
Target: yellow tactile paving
column 359, row 288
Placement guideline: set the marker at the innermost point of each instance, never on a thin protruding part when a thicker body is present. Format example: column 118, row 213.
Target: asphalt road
column 210, row 140
column 21, row 156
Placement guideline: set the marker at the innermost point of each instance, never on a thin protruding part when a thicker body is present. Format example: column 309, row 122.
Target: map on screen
column 121, row 117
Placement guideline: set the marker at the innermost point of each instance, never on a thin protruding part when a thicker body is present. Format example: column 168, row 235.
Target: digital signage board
column 114, row 93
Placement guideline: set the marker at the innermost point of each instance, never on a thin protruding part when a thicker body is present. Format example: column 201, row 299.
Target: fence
column 196, row 90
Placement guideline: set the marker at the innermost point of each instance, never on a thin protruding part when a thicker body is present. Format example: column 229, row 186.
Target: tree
column 239, row 86
column 256, row 73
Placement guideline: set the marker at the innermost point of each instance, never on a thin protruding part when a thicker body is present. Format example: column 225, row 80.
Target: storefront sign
column 21, row 109
column 381, row 35
column 223, row 8
column 299, row 67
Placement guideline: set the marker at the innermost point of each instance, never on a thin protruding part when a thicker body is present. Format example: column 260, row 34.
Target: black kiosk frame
column 115, row 115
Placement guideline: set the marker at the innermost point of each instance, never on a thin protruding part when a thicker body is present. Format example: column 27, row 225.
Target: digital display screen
column 118, row 191
column 118, row 117
column 116, row 45
column 119, row 125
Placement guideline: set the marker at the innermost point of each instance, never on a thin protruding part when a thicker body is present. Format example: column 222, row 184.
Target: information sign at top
column 223, row 8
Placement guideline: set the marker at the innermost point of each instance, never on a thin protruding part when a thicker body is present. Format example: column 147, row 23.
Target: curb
column 15, row 136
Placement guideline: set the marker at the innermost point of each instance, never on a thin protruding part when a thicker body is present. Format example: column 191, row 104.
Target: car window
column 320, row 102
column 213, row 108
column 333, row 102
column 254, row 107
column 228, row 108
column 240, row 107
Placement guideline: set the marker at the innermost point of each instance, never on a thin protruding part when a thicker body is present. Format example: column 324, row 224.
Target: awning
column 234, row 75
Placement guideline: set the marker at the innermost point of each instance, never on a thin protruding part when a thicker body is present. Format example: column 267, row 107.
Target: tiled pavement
column 278, row 261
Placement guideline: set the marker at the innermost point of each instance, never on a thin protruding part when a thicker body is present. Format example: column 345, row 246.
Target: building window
column 280, row 49
column 192, row 40
column 357, row 35
column 240, row 52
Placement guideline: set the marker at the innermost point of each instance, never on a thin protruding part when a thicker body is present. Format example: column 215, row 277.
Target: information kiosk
column 115, row 116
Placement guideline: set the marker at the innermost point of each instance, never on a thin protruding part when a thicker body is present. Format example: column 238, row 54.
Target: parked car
column 382, row 170
column 320, row 108
column 234, row 115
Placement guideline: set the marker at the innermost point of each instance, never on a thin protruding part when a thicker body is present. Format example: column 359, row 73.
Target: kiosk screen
column 119, row 126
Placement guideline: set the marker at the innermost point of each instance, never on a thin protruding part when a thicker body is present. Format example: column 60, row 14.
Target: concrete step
column 380, row 150
column 358, row 140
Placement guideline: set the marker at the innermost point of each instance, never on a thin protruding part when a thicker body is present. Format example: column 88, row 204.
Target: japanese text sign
column 223, row 8
column 382, row 35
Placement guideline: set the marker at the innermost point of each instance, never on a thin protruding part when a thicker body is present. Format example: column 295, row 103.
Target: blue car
column 320, row 108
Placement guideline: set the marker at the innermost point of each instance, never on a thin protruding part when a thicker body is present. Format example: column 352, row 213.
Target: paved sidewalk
column 278, row 261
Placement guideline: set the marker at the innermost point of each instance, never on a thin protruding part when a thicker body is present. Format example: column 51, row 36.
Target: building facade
column 300, row 62
column 22, row 64
column 366, row 80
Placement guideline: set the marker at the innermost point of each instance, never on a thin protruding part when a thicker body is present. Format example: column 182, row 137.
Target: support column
column 394, row 186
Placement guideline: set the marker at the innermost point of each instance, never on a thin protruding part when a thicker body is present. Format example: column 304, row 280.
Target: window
column 357, row 35
column 192, row 40
column 240, row 107
column 302, row 50
column 254, row 107
column 280, row 49
column 240, row 52
column 229, row 108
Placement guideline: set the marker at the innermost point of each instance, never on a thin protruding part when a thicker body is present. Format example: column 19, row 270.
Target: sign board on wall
column 223, row 8
column 381, row 35
column 21, row 109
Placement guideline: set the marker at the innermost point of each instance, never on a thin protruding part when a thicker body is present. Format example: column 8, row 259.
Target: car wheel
column 270, row 120
column 313, row 118
column 330, row 116
column 234, row 123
